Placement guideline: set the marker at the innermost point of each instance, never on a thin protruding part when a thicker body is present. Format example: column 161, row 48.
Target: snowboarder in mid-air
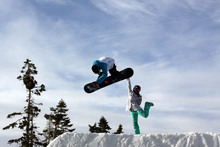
column 133, row 105
column 102, row 66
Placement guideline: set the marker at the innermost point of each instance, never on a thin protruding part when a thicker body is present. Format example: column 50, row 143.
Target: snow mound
column 123, row 140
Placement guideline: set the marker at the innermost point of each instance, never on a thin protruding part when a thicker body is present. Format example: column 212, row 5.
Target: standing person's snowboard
column 124, row 74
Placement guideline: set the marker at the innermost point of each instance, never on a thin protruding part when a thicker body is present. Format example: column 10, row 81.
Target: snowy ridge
column 150, row 140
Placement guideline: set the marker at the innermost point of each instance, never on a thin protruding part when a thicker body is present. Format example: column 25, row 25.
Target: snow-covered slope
column 123, row 140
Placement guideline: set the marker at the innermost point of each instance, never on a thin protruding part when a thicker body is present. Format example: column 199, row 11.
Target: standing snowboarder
column 133, row 105
column 102, row 66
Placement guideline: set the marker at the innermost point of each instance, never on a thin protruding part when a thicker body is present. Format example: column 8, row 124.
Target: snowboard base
column 94, row 86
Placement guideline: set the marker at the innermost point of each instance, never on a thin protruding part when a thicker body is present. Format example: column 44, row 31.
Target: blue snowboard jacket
column 103, row 67
column 105, row 64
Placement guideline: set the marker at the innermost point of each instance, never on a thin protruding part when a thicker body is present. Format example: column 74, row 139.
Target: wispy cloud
column 124, row 9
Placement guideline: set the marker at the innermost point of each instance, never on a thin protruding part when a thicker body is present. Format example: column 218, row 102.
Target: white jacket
column 108, row 60
column 134, row 101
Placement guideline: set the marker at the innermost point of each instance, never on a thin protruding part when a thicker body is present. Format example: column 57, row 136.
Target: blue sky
column 173, row 47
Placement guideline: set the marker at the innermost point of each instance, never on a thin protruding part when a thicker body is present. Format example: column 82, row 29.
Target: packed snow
column 150, row 140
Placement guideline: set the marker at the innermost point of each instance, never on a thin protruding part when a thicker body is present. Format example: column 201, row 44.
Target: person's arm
column 104, row 69
column 128, row 107
column 140, row 99
column 129, row 85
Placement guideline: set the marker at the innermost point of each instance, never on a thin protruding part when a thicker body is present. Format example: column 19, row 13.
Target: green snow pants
column 144, row 113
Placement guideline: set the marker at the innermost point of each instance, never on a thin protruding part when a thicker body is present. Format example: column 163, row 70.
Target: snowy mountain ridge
column 149, row 140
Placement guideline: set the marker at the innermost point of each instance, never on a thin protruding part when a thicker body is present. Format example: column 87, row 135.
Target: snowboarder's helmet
column 137, row 88
column 95, row 69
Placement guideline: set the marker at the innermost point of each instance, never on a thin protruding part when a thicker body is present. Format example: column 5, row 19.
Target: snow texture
column 123, row 140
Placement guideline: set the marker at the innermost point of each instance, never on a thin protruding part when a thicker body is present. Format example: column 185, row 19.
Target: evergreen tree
column 58, row 122
column 48, row 131
column 119, row 131
column 103, row 126
column 31, row 111
column 93, row 129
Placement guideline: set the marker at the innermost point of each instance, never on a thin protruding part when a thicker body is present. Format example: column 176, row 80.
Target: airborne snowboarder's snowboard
column 93, row 86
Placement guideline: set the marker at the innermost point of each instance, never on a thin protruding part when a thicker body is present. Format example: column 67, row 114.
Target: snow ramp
column 149, row 140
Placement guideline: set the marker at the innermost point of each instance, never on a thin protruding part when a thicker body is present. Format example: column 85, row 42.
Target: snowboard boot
column 149, row 103
column 115, row 74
